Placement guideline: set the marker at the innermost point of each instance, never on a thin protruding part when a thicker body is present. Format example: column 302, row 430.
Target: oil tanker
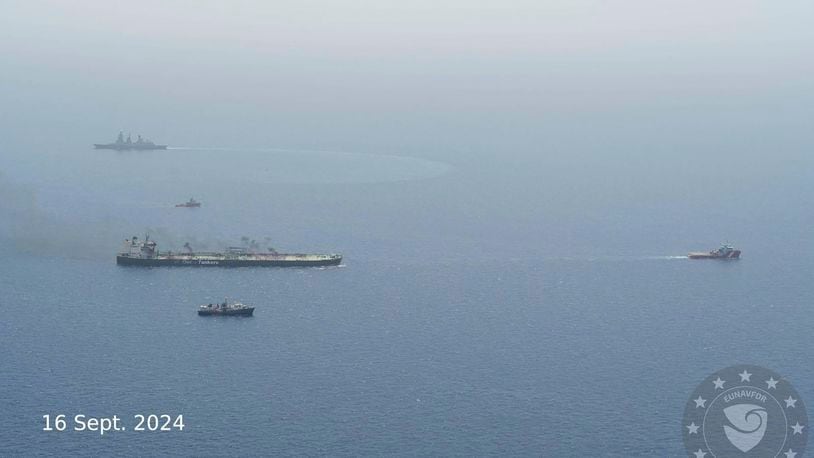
column 145, row 253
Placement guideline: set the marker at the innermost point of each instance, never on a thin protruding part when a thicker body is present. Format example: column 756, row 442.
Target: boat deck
column 246, row 257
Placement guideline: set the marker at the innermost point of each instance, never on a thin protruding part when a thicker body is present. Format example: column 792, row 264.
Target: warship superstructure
column 226, row 308
column 145, row 252
column 122, row 144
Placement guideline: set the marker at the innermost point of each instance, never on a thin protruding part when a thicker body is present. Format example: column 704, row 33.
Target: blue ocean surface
column 487, row 304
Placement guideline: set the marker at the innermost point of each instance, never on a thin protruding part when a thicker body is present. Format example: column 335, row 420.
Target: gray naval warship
column 122, row 145
column 226, row 308
column 145, row 253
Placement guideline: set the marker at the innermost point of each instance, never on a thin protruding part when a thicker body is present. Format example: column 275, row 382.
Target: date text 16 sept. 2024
column 102, row 425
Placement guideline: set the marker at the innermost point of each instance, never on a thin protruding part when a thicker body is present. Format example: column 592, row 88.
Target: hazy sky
column 577, row 112
column 375, row 71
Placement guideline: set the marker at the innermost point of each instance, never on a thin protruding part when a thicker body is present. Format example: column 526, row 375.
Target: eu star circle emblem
column 746, row 412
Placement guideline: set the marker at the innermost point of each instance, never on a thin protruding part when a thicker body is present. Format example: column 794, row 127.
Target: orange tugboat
column 724, row 252
column 192, row 203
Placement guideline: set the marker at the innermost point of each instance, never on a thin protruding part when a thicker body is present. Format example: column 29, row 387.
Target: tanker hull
column 192, row 261
column 145, row 254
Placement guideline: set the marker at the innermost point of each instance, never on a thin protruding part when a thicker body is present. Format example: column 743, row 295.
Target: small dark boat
column 226, row 309
column 191, row 203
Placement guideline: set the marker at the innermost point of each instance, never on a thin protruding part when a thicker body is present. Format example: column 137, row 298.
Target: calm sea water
column 489, row 304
